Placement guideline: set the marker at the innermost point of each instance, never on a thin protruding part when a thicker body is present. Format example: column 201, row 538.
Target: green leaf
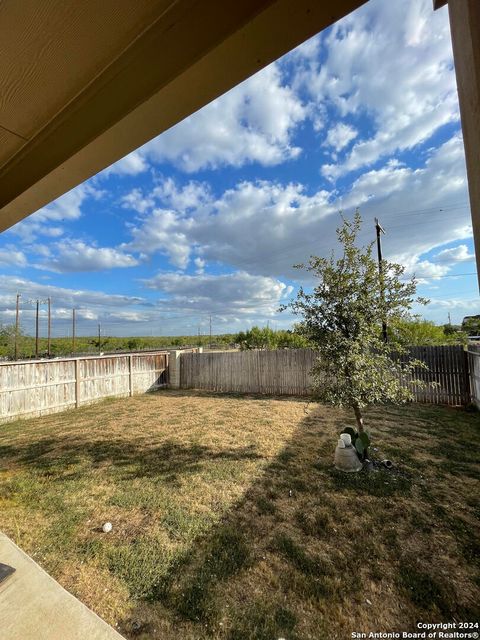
column 365, row 440
column 359, row 446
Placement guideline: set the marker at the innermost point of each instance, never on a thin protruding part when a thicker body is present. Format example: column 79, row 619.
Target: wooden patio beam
column 465, row 30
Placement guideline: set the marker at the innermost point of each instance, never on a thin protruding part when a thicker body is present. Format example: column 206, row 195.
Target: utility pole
column 73, row 331
column 449, row 318
column 49, row 328
column 99, row 339
column 36, row 329
column 17, row 324
column 210, row 345
column 379, row 229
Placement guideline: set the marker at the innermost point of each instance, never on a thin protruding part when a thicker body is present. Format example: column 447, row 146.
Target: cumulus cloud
column 11, row 257
column 454, row 255
column 200, row 265
column 265, row 227
column 63, row 296
column 388, row 62
column 233, row 294
column 162, row 232
column 340, row 135
column 136, row 201
column 423, row 270
column 130, row 165
column 45, row 222
column 254, row 122
column 76, row 256
column 189, row 196
column 91, row 306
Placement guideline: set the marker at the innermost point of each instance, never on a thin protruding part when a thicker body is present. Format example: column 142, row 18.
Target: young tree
column 342, row 319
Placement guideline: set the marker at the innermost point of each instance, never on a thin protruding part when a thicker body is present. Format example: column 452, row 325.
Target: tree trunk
column 359, row 418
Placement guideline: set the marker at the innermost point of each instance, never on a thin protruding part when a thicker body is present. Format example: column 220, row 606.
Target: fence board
column 35, row 388
column 281, row 372
column 286, row 372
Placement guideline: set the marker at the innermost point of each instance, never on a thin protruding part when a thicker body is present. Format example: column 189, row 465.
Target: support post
column 49, row 328
column 130, row 375
column 17, row 324
column 174, row 368
column 36, row 328
column 465, row 31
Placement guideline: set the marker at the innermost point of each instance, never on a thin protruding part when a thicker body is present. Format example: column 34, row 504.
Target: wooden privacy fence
column 35, row 388
column 280, row 372
column 448, row 369
column 286, row 372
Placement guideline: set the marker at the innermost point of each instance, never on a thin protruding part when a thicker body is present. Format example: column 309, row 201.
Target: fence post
column 174, row 368
column 77, row 382
column 130, row 375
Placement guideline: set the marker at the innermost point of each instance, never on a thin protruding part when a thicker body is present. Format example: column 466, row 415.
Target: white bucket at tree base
column 346, row 458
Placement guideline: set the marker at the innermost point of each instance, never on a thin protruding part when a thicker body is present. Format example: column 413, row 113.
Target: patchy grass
column 230, row 522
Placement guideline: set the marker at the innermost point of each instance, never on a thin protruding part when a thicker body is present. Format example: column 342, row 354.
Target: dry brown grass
column 230, row 522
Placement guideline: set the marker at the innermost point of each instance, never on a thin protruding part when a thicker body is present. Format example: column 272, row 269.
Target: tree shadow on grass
column 298, row 554
column 304, row 544
column 129, row 459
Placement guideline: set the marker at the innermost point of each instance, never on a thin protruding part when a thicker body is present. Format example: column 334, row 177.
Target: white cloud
column 130, row 165
column 161, row 232
column 340, row 135
column 136, row 201
column 11, row 257
column 457, row 304
column 253, row 122
column 389, row 62
column 91, row 307
column 66, row 208
column 190, row 196
column 266, row 227
column 200, row 265
column 75, row 255
column 455, row 254
column 423, row 270
column 233, row 294
column 63, row 297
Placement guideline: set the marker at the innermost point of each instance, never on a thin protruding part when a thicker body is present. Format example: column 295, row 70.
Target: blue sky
column 208, row 218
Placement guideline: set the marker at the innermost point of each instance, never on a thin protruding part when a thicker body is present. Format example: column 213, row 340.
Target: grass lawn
column 230, row 522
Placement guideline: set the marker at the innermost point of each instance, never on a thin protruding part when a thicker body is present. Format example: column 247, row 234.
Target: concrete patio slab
column 33, row 606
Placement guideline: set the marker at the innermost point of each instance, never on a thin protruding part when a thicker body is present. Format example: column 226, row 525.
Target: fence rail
column 286, row 372
column 448, row 370
column 281, row 372
column 35, row 388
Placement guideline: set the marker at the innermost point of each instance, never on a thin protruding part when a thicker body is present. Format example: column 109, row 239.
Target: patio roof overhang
column 465, row 31
column 84, row 83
